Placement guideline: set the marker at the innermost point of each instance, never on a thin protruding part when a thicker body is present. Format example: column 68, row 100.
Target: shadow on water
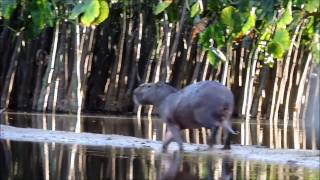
column 25, row 160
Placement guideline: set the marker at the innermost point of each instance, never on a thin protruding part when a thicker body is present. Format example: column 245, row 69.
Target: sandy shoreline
column 303, row 158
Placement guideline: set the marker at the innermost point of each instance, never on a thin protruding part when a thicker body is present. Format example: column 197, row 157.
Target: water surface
column 30, row 160
column 25, row 160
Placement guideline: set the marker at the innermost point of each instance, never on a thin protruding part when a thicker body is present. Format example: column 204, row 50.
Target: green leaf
column 41, row 15
column 195, row 9
column 250, row 22
column 231, row 17
column 161, row 7
column 312, row 5
column 282, row 36
column 216, row 32
column 275, row 49
column 172, row 12
column 204, row 38
column 315, row 49
column 286, row 18
column 90, row 13
column 7, row 7
column 280, row 43
column 78, row 9
column 211, row 57
column 104, row 12
column 227, row 16
column 266, row 34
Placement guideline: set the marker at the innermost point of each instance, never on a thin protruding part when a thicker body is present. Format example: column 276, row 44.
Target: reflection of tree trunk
column 6, row 158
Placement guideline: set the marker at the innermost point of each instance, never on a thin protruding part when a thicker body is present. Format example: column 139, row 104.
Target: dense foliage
column 270, row 21
column 98, row 50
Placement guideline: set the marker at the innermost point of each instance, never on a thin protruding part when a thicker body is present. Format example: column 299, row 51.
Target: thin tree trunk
column 111, row 94
column 246, row 86
column 272, row 102
column 41, row 60
column 285, row 72
column 173, row 52
column 262, row 82
column 290, row 83
column 8, row 83
column 226, row 65
column 251, row 79
column 45, row 89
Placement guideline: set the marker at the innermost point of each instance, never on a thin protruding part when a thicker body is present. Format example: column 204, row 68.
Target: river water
column 31, row 160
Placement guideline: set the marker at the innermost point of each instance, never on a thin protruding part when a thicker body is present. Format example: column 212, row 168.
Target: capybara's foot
column 181, row 149
column 226, row 147
column 164, row 149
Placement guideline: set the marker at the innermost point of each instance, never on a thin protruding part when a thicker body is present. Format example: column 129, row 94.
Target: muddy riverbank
column 303, row 158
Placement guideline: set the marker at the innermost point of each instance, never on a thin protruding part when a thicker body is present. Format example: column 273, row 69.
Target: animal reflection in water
column 175, row 168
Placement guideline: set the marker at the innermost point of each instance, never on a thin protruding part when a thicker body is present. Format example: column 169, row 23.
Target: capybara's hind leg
column 175, row 130
column 167, row 140
column 213, row 137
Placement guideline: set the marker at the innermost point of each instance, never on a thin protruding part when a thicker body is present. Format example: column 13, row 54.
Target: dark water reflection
column 25, row 160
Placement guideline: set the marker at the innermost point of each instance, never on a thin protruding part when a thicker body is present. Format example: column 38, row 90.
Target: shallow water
column 25, row 160
column 253, row 132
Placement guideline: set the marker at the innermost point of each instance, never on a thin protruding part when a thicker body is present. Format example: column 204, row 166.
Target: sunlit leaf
column 286, row 18
column 266, row 34
column 90, row 13
column 161, row 7
column 114, row 1
column 280, row 43
column 250, row 22
column 312, row 5
column 283, row 38
column 227, row 16
column 231, row 17
column 104, row 12
column 195, row 9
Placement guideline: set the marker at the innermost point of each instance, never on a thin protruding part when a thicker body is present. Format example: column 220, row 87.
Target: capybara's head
column 152, row 93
